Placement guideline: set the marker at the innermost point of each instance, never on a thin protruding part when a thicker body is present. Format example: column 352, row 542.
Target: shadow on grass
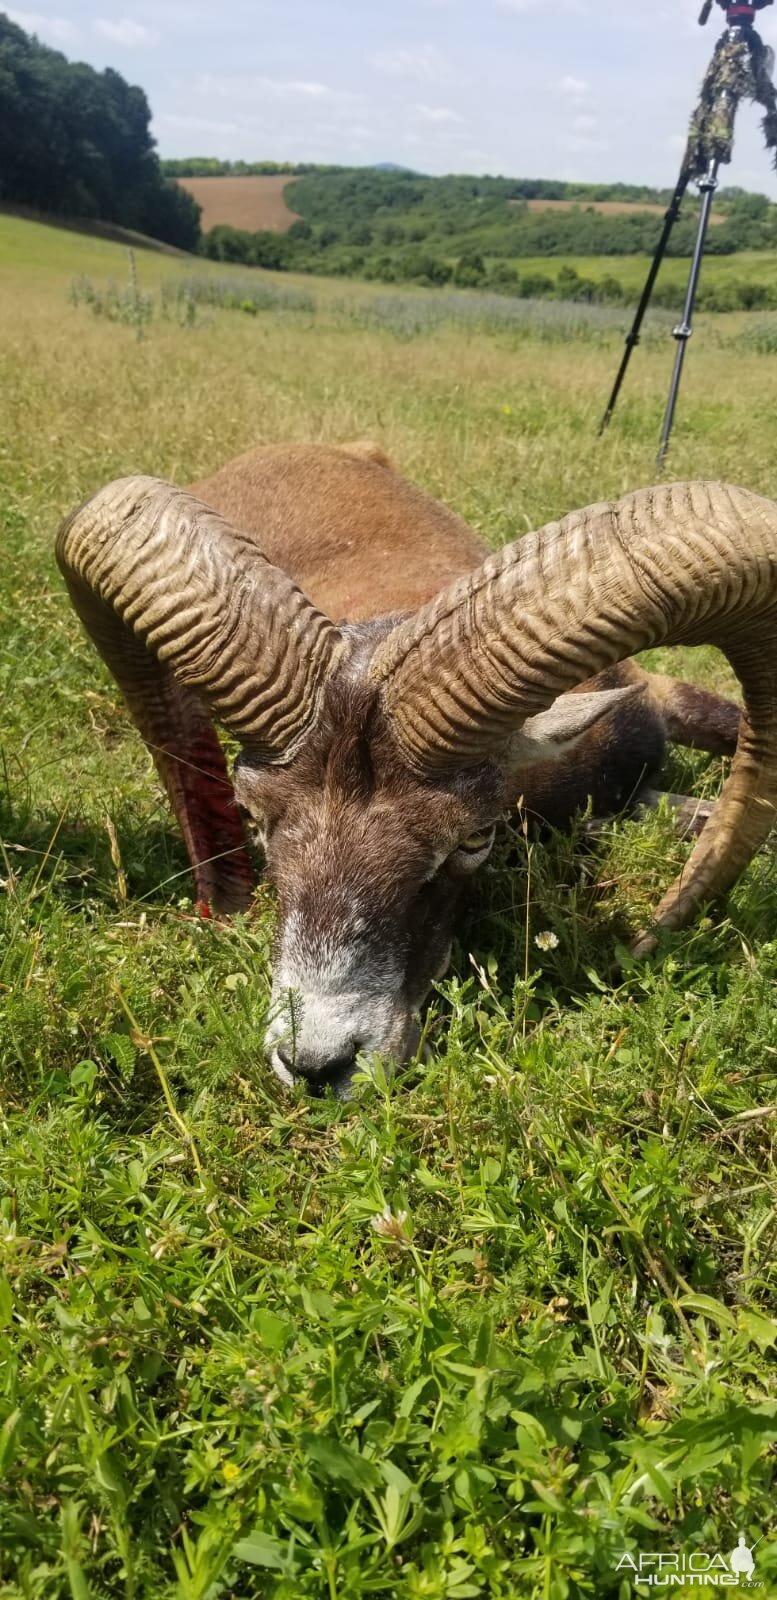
column 80, row 859
column 550, row 924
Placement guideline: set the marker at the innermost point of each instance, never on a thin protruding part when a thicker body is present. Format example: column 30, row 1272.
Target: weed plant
column 116, row 302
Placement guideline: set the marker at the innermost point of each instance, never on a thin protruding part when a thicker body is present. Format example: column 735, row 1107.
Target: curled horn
column 195, row 624
column 687, row 563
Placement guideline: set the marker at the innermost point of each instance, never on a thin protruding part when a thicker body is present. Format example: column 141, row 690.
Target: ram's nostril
column 335, row 1067
column 314, row 1066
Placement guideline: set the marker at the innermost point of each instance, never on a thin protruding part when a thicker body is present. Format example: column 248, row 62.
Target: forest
column 77, row 143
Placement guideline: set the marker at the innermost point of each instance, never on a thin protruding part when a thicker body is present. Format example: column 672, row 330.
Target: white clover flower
column 547, row 940
column 390, row 1225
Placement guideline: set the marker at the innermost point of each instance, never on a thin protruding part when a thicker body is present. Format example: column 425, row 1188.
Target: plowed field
column 606, row 208
column 251, row 203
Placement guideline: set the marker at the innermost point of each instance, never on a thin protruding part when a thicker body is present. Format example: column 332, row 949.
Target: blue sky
column 579, row 89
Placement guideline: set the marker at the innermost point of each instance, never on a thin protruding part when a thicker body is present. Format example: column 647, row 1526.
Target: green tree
column 77, row 142
column 470, row 270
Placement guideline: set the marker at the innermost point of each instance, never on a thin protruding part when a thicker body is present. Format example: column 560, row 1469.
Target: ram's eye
column 254, row 826
column 482, row 840
column 474, row 849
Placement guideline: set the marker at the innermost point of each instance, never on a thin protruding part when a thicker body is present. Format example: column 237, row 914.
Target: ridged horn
column 686, row 563
column 195, row 624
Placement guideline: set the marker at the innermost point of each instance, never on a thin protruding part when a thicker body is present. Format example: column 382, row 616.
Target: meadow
column 220, row 1374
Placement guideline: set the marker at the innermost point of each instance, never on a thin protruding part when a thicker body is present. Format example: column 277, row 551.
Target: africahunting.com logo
column 698, row 1570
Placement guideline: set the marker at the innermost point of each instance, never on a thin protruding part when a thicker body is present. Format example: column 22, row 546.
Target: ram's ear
column 572, row 715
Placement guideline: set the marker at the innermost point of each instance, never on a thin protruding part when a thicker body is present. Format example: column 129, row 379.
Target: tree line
column 213, row 167
column 76, row 142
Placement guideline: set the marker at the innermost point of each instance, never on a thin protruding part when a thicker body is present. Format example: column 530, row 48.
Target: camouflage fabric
column 740, row 66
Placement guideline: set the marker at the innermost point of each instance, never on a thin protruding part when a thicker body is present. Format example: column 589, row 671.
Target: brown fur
column 359, row 539
column 364, row 855
column 694, row 716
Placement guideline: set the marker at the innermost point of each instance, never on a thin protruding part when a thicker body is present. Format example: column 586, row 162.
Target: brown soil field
column 608, row 208
column 251, row 203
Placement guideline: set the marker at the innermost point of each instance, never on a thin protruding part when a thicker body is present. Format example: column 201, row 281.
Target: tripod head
column 737, row 11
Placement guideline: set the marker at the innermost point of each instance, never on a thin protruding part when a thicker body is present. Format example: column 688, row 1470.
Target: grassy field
column 55, row 255
column 217, row 1377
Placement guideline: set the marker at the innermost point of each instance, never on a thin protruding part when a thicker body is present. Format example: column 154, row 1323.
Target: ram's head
column 376, row 758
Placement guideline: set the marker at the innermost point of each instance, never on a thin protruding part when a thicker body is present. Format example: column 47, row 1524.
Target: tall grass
column 406, row 315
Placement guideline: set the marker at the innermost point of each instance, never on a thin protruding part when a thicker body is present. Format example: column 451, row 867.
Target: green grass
column 48, row 252
column 217, row 1376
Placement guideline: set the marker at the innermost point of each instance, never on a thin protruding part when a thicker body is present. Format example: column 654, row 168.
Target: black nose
column 317, row 1069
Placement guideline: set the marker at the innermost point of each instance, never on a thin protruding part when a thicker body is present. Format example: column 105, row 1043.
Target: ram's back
column 357, row 537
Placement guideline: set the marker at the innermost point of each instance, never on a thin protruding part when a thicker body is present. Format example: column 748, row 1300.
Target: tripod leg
column 632, row 337
column 683, row 331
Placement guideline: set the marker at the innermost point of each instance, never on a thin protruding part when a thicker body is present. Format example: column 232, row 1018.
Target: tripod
column 741, row 65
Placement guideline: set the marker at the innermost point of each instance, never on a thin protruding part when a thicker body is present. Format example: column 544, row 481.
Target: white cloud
column 423, row 63
column 124, row 32
column 57, row 29
column 295, row 86
column 585, row 123
column 572, row 88
column 237, row 87
column 437, row 114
